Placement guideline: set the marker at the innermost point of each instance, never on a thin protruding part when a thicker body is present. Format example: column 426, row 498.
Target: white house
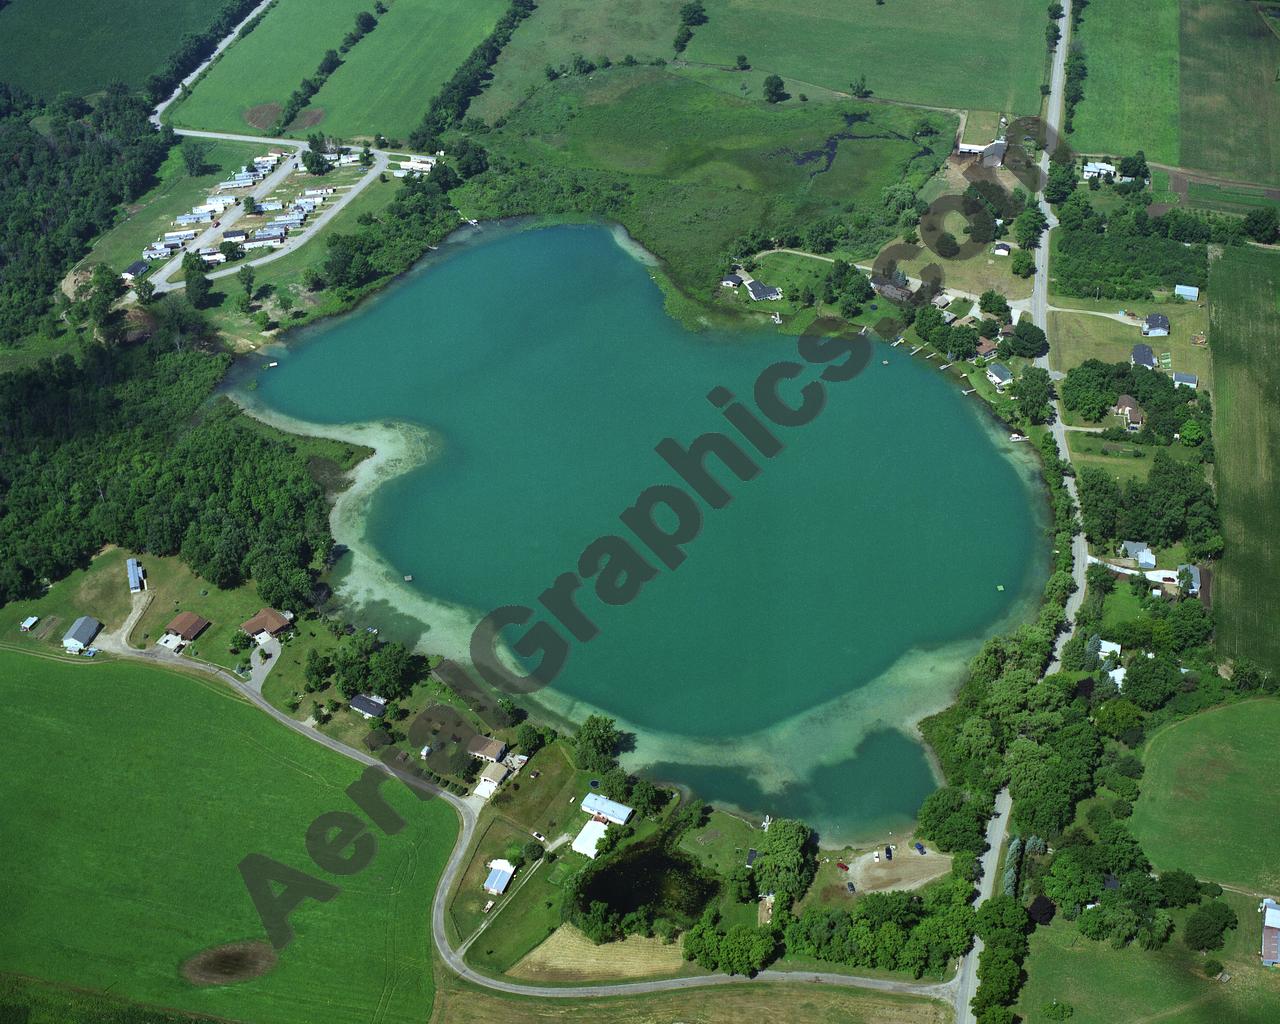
column 589, row 838
column 601, row 807
column 1140, row 552
column 1099, row 169
column 421, row 164
column 999, row 375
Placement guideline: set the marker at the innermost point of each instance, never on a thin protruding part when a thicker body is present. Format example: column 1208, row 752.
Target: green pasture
column 1075, row 337
column 387, row 80
column 131, row 796
column 559, row 29
column 1206, row 802
column 1244, row 334
column 966, row 54
column 81, row 46
column 1105, row 985
column 244, row 89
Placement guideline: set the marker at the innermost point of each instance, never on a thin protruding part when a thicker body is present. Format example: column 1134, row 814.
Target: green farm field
column 751, row 165
column 1129, row 104
column 1244, row 334
column 243, row 91
column 86, row 45
column 1106, row 986
column 979, row 54
column 389, row 77
column 1206, row 796
column 119, row 873
column 1230, row 121
column 558, row 29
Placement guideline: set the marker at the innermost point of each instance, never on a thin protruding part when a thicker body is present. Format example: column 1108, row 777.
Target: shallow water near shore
column 515, row 387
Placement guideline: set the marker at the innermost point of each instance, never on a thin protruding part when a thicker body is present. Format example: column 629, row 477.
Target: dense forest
column 105, row 449
column 60, row 186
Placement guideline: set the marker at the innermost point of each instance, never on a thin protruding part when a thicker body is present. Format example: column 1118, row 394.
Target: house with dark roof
column 893, row 292
column 730, row 281
column 367, row 706
column 1156, row 325
column 760, row 292
column 1186, row 380
column 1128, row 409
column 266, row 624
column 186, row 626
column 133, row 271
column 81, row 634
column 1143, row 356
column 1001, row 249
column 1193, row 571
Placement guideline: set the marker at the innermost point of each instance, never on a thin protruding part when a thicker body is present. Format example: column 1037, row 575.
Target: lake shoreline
column 400, row 447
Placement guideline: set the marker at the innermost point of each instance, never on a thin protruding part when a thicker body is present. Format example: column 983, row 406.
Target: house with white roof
column 500, row 874
column 589, row 838
column 601, row 807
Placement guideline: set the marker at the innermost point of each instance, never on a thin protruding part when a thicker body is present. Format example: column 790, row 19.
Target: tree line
column 329, row 63
column 196, row 47
column 61, row 187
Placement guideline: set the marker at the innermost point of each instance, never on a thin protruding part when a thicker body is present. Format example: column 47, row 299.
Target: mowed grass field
column 460, row 1003
column 1191, row 84
column 132, row 793
column 387, row 80
column 980, row 54
column 558, row 29
column 1107, row 986
column 1244, row 334
column 749, row 165
column 1207, row 796
column 1131, row 93
column 1075, row 337
column 81, row 46
column 260, row 70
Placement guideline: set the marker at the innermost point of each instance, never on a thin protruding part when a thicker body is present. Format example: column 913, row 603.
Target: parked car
column 842, row 865
column 849, row 886
column 888, row 853
column 540, row 837
column 920, row 849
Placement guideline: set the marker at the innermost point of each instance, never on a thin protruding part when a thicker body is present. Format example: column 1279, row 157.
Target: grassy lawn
column 1129, row 104
column 387, row 79
column 1119, row 606
column 1230, row 119
column 244, row 91
column 722, row 844
column 549, row 803
column 1206, row 802
column 749, row 166
column 559, row 29
column 126, row 870
column 498, row 839
column 89, row 44
column 909, row 49
column 1075, row 337
column 101, row 589
column 460, row 1003
column 1160, row 190
column 1122, row 460
column 977, row 274
column 982, row 125
column 176, row 192
column 1106, row 985
column 1244, row 332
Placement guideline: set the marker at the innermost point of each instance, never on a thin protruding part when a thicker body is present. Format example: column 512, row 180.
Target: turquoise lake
column 833, row 601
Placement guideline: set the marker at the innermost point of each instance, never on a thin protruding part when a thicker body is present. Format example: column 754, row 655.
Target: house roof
column 268, row 620
column 187, row 625
column 586, row 841
column 594, row 803
column 500, row 874
column 82, row 630
column 495, row 773
column 732, row 279
column 761, row 291
column 368, row 705
column 1133, row 548
column 1194, row 571
column 1185, row 378
column 1187, row 291
column 1130, row 404
column 1142, row 354
column 1000, row 371
column 135, row 268
column 487, row 747
column 1157, row 320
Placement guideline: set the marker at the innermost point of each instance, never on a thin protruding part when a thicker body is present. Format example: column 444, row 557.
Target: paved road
column 966, row 980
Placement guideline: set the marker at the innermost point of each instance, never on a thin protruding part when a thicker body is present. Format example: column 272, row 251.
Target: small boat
column 1018, row 437
column 272, row 365
column 884, row 362
column 409, row 578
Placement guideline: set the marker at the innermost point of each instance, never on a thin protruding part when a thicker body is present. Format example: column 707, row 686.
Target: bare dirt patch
column 309, row 118
column 225, row 965
column 907, row 870
column 568, row 955
column 263, row 116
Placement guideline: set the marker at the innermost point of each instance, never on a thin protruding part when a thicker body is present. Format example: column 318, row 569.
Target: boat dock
column 916, row 349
